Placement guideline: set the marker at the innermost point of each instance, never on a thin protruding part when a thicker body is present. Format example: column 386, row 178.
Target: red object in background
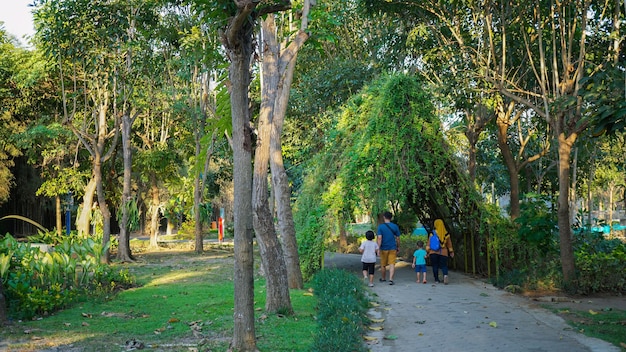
column 220, row 229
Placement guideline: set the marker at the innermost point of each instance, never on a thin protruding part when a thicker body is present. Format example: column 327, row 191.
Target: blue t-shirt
column 420, row 256
column 389, row 234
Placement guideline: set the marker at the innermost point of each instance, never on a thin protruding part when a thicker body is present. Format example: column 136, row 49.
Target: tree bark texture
column 123, row 249
column 238, row 42
column 277, row 291
column 502, row 123
column 280, row 181
column 84, row 218
column 476, row 122
column 565, row 235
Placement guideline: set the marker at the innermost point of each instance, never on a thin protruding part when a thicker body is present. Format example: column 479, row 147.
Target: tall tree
column 237, row 39
column 83, row 38
column 563, row 44
column 158, row 160
column 278, row 63
column 510, row 119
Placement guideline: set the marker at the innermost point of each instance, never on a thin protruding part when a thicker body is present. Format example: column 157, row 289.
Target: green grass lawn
column 183, row 300
column 608, row 324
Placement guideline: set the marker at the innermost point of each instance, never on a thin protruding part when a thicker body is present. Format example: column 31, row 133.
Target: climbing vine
column 387, row 151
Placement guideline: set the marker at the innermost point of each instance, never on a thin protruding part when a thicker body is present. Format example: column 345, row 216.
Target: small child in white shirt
column 369, row 250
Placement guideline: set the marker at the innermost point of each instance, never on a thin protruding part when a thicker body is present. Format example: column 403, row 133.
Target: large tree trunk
column 286, row 226
column 280, row 181
column 238, row 43
column 123, row 249
column 573, row 207
column 565, row 233
column 83, row 221
column 277, row 292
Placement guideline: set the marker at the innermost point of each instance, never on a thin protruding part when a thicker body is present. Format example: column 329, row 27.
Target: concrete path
column 467, row 315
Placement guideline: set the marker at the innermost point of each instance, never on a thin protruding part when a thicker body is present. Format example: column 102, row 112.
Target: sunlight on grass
column 175, row 277
column 38, row 339
column 182, row 300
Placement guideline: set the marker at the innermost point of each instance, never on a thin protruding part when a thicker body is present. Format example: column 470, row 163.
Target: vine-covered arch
column 387, row 150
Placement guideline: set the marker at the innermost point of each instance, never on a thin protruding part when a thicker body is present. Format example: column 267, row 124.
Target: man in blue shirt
column 389, row 244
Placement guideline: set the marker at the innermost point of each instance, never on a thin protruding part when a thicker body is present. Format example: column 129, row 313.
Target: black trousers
column 439, row 261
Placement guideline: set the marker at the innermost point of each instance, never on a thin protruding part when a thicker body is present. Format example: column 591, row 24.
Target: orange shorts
column 388, row 257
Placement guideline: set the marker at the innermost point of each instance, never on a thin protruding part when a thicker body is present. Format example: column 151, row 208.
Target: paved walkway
column 468, row 315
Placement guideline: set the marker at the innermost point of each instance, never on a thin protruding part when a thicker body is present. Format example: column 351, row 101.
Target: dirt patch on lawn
column 596, row 302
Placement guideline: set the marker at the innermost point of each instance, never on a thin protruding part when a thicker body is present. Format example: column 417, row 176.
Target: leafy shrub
column 311, row 245
column 529, row 256
column 342, row 311
column 526, row 250
column 38, row 282
column 538, row 225
column 599, row 264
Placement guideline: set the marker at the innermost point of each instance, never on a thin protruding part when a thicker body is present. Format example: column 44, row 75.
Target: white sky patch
column 17, row 18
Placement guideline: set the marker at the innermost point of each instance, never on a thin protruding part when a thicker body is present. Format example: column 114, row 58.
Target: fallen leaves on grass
column 196, row 328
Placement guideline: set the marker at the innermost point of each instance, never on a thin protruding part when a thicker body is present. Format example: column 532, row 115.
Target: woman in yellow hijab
column 439, row 249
